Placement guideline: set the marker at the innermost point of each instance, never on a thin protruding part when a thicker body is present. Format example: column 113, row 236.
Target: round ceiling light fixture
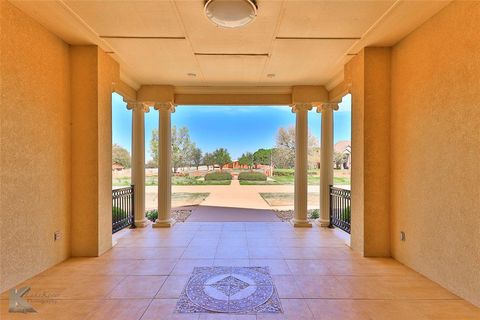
column 231, row 13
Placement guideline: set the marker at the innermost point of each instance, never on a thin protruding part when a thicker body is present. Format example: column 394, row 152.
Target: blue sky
column 237, row 128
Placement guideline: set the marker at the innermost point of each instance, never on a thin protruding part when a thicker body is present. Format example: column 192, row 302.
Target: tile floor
column 316, row 275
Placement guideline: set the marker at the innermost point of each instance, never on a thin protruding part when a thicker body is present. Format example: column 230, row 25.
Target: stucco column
column 164, row 219
column 301, row 165
column 138, row 159
column 326, row 161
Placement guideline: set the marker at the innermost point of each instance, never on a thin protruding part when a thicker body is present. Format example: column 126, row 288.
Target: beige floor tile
column 138, row 287
column 155, row 267
column 52, row 310
column 74, row 286
column 326, row 287
column 213, row 316
column 172, row 287
column 261, row 252
column 230, row 252
column 232, row 262
column 185, row 266
column 447, row 309
column 293, row 309
column 287, row 287
column 316, row 275
column 131, row 309
column 391, row 310
column 164, row 309
column 308, row 267
column 144, row 253
column 365, row 287
column 200, row 252
column 262, row 242
column 275, row 266
column 338, row 309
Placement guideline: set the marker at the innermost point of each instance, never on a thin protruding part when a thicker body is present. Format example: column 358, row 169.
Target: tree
column 208, row 160
column 284, row 153
column 181, row 147
column 120, row 155
column 339, row 159
column 262, row 156
column 222, row 157
column 196, row 156
column 154, row 146
column 246, row 160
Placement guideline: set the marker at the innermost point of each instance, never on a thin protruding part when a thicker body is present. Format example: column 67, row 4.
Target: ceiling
column 291, row 42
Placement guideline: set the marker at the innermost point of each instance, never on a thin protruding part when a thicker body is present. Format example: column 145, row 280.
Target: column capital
column 134, row 105
column 327, row 106
column 164, row 106
column 301, row 107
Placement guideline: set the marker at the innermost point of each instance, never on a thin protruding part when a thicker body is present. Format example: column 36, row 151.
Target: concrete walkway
column 230, row 196
column 204, row 213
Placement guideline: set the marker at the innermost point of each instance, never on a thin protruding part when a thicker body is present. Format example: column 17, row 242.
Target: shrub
column 218, row 176
column 291, row 172
column 152, row 215
column 283, row 172
column 315, row 214
column 118, row 213
column 252, row 176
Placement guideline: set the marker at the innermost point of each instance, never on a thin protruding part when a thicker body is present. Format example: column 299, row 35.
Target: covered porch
column 411, row 68
column 316, row 276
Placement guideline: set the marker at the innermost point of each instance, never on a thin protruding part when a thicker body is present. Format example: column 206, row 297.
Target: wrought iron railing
column 123, row 212
column 340, row 208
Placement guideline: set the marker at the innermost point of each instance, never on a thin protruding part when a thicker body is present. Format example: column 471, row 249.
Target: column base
column 163, row 223
column 322, row 222
column 301, row 223
column 141, row 223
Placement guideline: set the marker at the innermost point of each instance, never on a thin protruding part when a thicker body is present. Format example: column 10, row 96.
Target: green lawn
column 282, row 180
column 191, row 181
column 176, row 181
column 287, row 198
column 188, row 198
column 253, row 183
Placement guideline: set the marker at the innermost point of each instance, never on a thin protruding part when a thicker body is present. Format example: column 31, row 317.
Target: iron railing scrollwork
column 340, row 208
column 123, row 210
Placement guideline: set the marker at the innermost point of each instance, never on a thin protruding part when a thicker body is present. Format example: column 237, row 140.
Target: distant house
column 117, row 166
column 236, row 165
column 344, row 147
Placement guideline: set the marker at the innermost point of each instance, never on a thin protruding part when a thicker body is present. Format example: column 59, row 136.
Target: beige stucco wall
column 435, row 149
column 93, row 77
column 368, row 76
column 35, row 148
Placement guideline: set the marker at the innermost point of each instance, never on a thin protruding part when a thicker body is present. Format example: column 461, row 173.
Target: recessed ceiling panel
column 231, row 70
column 255, row 37
column 154, row 61
column 129, row 18
column 332, row 19
column 296, row 62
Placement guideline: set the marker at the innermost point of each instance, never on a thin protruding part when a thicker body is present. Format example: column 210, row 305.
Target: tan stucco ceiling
column 300, row 42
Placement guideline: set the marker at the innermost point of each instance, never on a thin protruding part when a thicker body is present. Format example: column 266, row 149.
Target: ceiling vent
column 231, row 13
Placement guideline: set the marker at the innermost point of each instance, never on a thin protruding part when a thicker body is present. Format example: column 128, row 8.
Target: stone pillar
column 326, row 161
column 138, row 159
column 164, row 165
column 301, row 165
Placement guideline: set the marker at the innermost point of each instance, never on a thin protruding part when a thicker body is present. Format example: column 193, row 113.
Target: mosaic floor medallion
column 230, row 290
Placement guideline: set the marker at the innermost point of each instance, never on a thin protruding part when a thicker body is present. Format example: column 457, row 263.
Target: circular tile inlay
column 229, row 289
